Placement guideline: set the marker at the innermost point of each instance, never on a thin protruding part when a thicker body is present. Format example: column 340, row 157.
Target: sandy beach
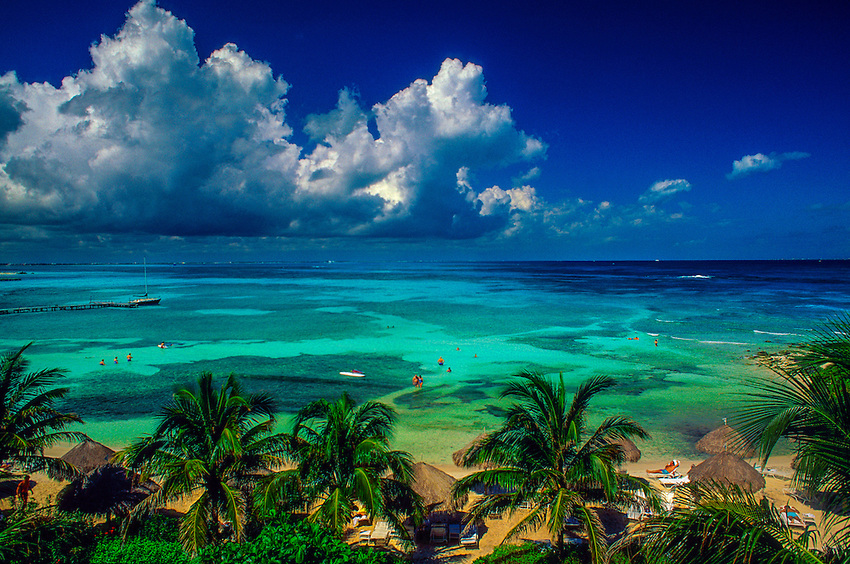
column 777, row 490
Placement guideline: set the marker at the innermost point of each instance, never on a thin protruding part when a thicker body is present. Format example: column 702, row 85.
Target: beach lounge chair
column 439, row 534
column 381, row 534
column 673, row 481
column 635, row 513
column 454, row 532
column 365, row 536
column 469, row 538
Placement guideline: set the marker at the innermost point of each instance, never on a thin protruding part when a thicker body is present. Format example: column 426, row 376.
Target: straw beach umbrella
column 88, row 455
column 434, row 485
column 725, row 439
column 458, row 455
column 727, row 468
column 630, row 449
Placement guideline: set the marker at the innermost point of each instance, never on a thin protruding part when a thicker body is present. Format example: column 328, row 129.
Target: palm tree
column 344, row 459
column 212, row 443
column 29, row 420
column 712, row 524
column 810, row 404
column 542, row 455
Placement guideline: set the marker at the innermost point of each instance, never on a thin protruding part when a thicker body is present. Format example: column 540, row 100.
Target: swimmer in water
column 129, row 357
column 101, row 362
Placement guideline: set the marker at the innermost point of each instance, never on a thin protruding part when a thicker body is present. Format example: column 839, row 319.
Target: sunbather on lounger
column 668, row 470
column 791, row 517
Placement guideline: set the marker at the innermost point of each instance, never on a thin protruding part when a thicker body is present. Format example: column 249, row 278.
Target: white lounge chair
column 672, row 481
column 469, row 538
column 381, row 534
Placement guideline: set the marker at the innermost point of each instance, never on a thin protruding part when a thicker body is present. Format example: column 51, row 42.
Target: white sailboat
column 144, row 299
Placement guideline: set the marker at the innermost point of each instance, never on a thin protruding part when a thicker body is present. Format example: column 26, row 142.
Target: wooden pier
column 71, row 307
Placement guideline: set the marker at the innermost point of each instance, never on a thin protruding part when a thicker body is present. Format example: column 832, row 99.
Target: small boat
column 144, row 299
column 354, row 373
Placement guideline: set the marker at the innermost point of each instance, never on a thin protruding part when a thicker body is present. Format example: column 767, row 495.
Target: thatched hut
column 89, row 455
column 727, row 468
column 725, row 439
column 630, row 449
column 434, row 485
column 459, row 455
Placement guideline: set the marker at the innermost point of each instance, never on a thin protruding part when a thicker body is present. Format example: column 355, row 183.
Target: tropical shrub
column 528, row 553
column 160, row 527
column 39, row 538
column 138, row 551
column 287, row 542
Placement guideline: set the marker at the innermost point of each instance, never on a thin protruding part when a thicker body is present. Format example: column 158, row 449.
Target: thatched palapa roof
column 88, row 455
column 725, row 439
column 630, row 449
column 458, row 455
column 434, row 485
column 727, row 468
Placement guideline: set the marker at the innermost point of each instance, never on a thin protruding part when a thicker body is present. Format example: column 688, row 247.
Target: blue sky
column 189, row 130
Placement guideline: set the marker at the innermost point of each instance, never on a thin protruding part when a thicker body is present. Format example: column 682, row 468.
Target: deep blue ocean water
column 290, row 328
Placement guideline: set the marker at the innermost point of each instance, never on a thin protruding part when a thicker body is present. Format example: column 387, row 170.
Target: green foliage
column 810, row 404
column 29, row 422
column 544, row 454
column 528, row 553
column 213, row 445
column 38, row 538
column 344, row 459
column 159, row 527
column 716, row 525
column 139, row 551
column 299, row 543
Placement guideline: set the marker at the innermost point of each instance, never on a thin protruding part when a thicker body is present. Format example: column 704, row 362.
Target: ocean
column 290, row 329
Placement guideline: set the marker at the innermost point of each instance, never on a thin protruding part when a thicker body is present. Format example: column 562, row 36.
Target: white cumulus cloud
column 153, row 139
column 664, row 189
column 762, row 163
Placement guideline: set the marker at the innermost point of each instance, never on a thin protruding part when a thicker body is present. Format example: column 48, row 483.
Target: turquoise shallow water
column 290, row 329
